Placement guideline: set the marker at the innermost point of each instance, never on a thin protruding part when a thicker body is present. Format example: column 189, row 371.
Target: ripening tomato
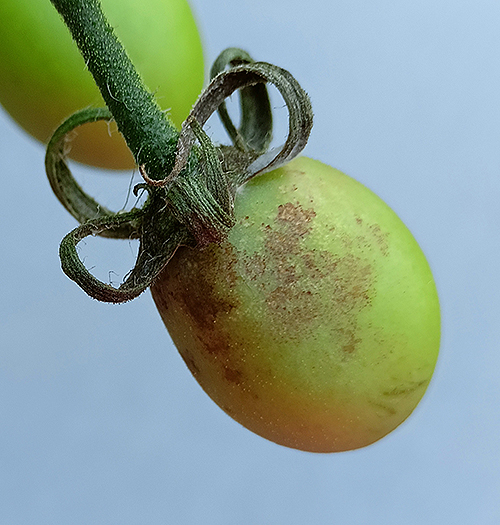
column 316, row 324
column 43, row 79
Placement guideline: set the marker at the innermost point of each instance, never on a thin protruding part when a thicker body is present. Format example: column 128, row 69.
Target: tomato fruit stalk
column 43, row 77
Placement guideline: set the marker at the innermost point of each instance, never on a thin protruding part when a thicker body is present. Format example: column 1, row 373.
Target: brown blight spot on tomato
column 295, row 219
column 380, row 238
column 194, row 291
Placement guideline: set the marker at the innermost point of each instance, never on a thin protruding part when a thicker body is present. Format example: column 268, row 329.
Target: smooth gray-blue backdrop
column 100, row 421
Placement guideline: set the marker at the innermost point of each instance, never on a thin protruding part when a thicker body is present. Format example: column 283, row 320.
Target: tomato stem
column 191, row 183
column 149, row 134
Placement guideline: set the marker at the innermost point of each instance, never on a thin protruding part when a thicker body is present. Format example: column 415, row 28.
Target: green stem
column 192, row 202
column 149, row 134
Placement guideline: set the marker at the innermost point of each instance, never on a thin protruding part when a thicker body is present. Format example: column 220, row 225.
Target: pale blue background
column 101, row 423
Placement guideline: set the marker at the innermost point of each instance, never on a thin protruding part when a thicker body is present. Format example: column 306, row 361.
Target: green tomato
column 316, row 324
column 43, row 78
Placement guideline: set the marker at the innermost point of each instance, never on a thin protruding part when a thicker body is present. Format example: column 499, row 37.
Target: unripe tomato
column 43, row 78
column 316, row 325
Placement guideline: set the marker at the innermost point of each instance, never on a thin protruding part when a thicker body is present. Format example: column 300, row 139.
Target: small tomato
column 43, row 78
column 316, row 324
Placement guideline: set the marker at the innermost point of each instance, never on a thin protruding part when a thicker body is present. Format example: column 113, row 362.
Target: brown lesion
column 279, row 268
column 370, row 235
column 407, row 390
column 295, row 217
column 293, row 279
column 291, row 224
column 380, row 239
column 204, row 304
column 388, row 410
column 201, row 285
column 192, row 283
column 198, row 295
column 348, row 340
column 352, row 281
column 190, row 363
column 232, row 375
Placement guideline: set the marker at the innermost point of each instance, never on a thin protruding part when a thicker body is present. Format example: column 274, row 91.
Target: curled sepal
column 256, row 120
column 201, row 197
column 81, row 205
column 158, row 245
column 193, row 203
column 300, row 116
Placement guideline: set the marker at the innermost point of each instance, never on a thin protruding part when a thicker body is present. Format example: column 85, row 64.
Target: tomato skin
column 316, row 325
column 43, row 79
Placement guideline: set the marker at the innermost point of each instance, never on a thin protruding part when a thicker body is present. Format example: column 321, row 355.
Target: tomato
column 43, row 79
column 316, row 324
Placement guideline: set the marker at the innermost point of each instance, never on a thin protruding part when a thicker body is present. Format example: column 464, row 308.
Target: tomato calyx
column 191, row 183
column 192, row 204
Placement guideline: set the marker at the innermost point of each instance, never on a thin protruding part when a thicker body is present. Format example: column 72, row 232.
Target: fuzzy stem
column 148, row 132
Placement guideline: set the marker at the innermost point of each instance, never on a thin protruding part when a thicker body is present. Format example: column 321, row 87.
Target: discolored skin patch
column 198, row 296
column 293, row 279
column 202, row 285
column 380, row 239
column 349, row 340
